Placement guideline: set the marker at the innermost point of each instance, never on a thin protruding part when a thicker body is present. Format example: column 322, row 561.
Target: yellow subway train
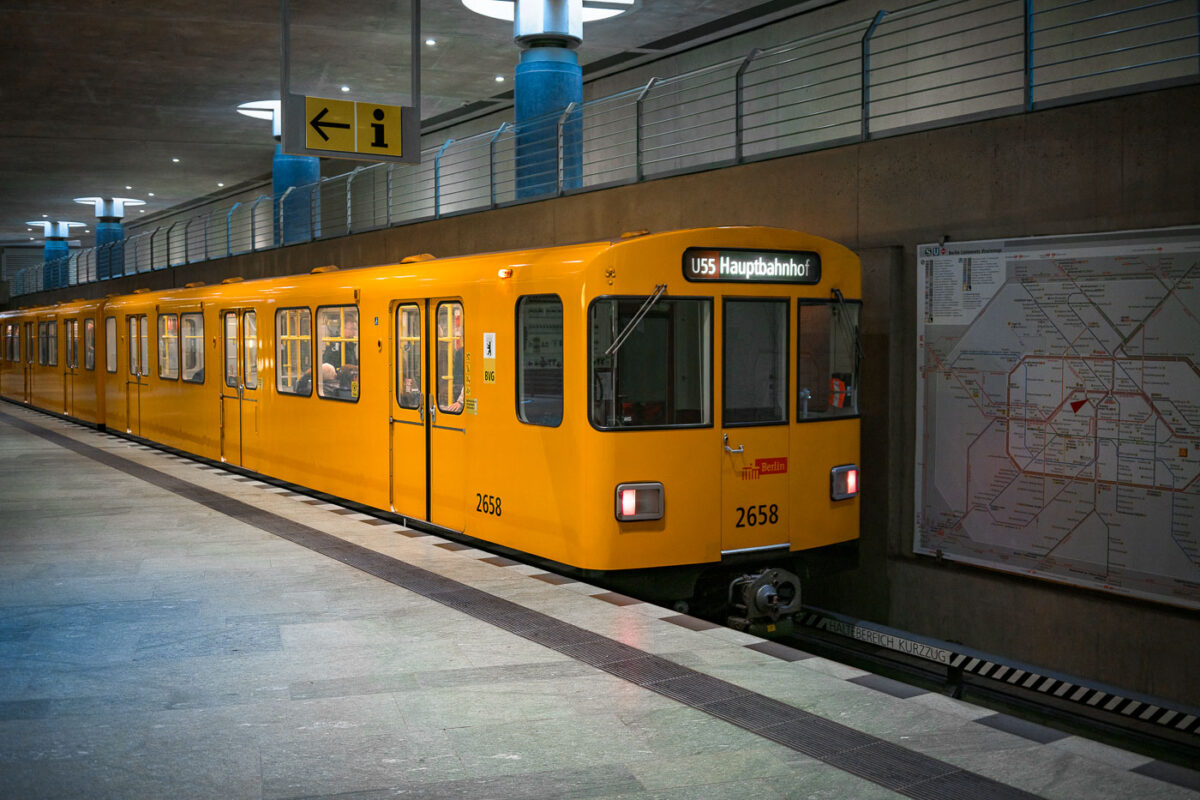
column 676, row 414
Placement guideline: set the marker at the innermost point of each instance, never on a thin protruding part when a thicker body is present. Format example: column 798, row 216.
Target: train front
column 723, row 398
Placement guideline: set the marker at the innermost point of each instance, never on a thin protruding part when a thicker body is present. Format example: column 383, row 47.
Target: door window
column 168, row 346
column 408, row 356
column 191, row 346
column 250, row 346
column 451, row 384
column 110, row 344
column 231, row 349
column 755, row 380
column 89, row 344
column 72, row 343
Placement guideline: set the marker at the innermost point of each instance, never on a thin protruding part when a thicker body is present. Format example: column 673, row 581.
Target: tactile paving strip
column 904, row 771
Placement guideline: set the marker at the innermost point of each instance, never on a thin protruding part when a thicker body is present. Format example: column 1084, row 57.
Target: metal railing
column 931, row 64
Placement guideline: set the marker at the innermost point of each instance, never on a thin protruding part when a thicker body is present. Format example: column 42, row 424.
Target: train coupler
column 763, row 603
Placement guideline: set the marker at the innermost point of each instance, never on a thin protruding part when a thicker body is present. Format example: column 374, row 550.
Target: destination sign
column 751, row 266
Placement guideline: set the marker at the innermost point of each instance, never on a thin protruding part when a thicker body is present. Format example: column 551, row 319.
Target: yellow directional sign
column 347, row 126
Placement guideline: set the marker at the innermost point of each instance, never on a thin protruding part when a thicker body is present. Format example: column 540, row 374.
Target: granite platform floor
column 155, row 645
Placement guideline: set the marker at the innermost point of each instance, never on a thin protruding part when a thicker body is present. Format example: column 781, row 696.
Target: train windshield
column 660, row 375
column 828, row 353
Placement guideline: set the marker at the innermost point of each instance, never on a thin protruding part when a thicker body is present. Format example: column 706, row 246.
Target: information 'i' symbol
column 377, row 127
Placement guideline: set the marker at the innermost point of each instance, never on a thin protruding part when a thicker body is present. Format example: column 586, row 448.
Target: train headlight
column 638, row 501
column 843, row 482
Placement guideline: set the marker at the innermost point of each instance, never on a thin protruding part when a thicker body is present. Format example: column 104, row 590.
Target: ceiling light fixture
column 499, row 79
column 345, row 89
column 430, row 42
column 174, row 160
column 593, row 10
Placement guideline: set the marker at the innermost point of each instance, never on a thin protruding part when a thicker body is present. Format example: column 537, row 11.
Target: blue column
column 110, row 233
column 54, row 256
column 110, row 261
column 301, row 221
column 547, row 80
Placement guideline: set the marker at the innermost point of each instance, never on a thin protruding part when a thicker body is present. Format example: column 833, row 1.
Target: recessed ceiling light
column 45, row 216
column 345, row 88
column 499, row 79
column 128, row 187
column 32, row 239
column 141, row 211
column 150, row 193
column 174, row 160
column 220, row 184
column 431, row 42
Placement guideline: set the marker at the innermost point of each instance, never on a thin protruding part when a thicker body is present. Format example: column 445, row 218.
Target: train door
column 30, row 355
column 429, row 409
column 70, row 364
column 754, row 432
column 409, row 428
column 138, row 329
column 239, row 391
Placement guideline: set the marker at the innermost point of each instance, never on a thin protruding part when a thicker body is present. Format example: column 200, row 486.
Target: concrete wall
column 1108, row 165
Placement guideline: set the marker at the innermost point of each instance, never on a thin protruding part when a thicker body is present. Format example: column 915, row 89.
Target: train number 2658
column 757, row 515
column 487, row 504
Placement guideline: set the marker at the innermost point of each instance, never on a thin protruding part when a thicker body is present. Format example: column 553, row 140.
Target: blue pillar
column 110, row 233
column 110, row 261
column 54, row 258
column 56, row 252
column 547, row 81
column 300, row 220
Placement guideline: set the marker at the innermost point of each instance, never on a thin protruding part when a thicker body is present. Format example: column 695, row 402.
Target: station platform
column 171, row 629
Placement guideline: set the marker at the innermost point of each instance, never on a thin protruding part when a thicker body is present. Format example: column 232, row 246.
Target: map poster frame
column 1058, row 409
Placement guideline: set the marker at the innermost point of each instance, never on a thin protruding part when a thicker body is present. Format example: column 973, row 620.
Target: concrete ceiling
column 98, row 95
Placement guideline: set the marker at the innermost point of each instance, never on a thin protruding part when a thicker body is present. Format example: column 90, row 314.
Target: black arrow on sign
column 318, row 125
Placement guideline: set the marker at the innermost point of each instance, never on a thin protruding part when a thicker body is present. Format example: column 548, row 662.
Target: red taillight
column 843, row 482
column 639, row 501
column 628, row 502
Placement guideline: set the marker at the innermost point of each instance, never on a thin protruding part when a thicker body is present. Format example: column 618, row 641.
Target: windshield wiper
column 659, row 290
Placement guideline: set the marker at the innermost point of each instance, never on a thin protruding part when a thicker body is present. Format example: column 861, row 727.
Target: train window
column 450, row 378
column 408, row 356
column 293, row 351
column 337, row 341
column 89, row 344
column 30, row 341
column 41, row 335
column 540, row 360
column 754, row 381
column 250, row 344
column 110, row 344
column 168, row 346
column 51, row 344
column 12, row 348
column 231, row 355
column 139, row 348
column 651, row 362
column 827, row 360
column 191, row 346
column 72, row 342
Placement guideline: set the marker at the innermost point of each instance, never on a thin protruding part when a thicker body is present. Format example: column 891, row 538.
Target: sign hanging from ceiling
column 351, row 129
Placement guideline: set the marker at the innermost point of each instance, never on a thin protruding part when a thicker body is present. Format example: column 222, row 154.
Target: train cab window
column 827, row 360
column 250, row 345
column 540, row 360
column 650, row 362
column 191, row 347
column 337, row 341
column 754, row 382
column 450, row 376
column 89, row 344
column 168, row 346
column 293, row 351
column 408, row 356
column 71, row 334
column 110, row 344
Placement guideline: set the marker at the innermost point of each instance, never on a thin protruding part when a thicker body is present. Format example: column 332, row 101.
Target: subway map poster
column 1058, row 409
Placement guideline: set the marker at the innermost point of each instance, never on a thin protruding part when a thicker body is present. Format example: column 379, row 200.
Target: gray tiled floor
column 151, row 647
